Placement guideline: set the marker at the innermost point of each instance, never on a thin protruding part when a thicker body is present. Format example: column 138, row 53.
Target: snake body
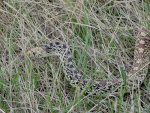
column 135, row 76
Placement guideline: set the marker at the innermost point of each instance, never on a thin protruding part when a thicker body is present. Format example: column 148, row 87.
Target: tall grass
column 101, row 34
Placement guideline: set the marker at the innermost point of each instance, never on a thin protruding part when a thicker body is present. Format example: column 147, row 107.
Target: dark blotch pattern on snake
column 134, row 78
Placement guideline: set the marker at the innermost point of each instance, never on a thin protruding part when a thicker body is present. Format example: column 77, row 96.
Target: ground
column 101, row 35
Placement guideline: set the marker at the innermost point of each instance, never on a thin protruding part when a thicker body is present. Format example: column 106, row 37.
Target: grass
column 101, row 35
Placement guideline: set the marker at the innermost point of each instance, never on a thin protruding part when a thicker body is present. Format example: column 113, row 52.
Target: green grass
column 101, row 34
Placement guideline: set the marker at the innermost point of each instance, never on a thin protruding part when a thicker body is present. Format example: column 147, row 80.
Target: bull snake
column 135, row 76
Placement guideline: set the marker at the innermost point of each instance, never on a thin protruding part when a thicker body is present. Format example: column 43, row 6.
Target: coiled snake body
column 135, row 76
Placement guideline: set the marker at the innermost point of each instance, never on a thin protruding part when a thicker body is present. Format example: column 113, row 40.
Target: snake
column 134, row 78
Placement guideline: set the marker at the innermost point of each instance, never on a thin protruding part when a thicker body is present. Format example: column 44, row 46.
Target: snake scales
column 133, row 79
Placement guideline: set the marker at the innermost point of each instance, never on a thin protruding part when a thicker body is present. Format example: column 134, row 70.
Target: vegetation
column 101, row 34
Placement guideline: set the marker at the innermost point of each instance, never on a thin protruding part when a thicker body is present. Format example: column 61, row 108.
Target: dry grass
column 101, row 34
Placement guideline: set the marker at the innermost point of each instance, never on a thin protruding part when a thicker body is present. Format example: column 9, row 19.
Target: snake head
column 36, row 52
